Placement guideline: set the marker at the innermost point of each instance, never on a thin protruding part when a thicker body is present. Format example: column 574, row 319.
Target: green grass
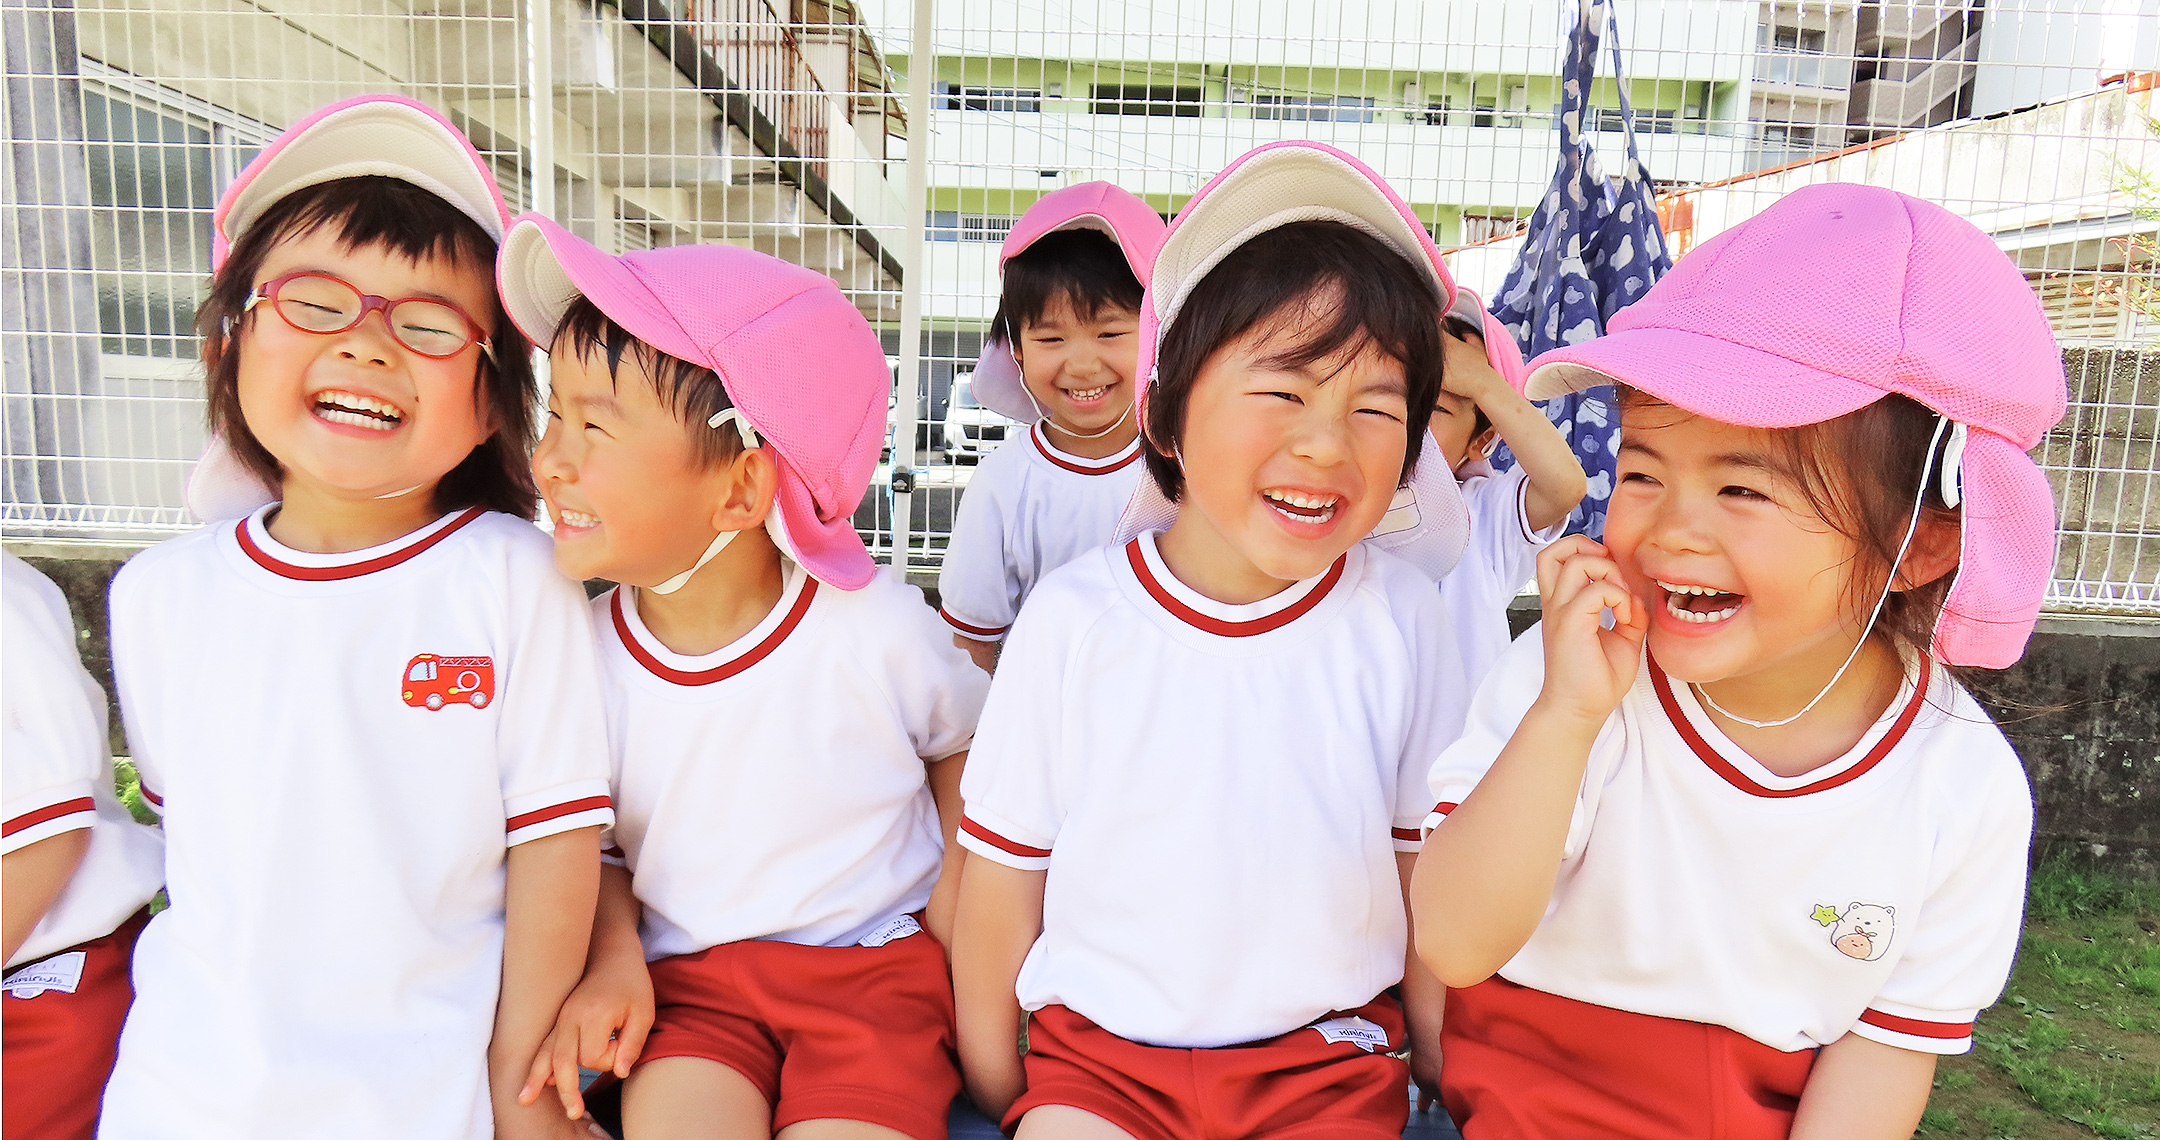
column 2073, row 1047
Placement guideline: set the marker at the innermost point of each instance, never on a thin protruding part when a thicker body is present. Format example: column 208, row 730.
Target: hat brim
column 385, row 135
column 221, row 488
column 1704, row 375
column 832, row 552
column 997, row 384
column 545, row 268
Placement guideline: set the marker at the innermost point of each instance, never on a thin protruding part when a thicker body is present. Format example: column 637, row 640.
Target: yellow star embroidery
column 1827, row 916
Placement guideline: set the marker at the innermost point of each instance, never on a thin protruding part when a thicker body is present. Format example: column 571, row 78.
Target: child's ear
column 1934, row 553
column 1486, row 442
column 748, row 484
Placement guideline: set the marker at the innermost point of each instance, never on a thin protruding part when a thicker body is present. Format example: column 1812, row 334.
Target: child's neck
column 724, row 600
column 1199, row 556
column 1831, row 728
column 1128, row 430
column 311, row 519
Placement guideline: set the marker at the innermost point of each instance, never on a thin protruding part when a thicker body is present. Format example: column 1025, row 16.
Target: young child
column 1750, row 858
column 1514, row 514
column 366, row 709
column 1060, row 359
column 77, row 872
column 1192, row 806
column 789, row 726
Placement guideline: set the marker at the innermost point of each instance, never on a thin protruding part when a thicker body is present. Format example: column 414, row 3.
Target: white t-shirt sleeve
column 979, row 594
column 1441, row 692
column 552, row 746
column 53, row 749
column 1500, row 520
column 936, row 690
column 1014, row 808
column 1966, row 933
column 121, row 605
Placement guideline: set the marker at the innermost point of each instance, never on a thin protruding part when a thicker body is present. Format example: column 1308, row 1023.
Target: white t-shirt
column 345, row 747
column 775, row 788
column 1880, row 894
column 1029, row 509
column 1218, row 792
column 58, row 770
column 1501, row 557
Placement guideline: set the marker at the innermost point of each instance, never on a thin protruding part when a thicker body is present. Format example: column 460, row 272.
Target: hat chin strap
column 1942, row 424
column 719, row 543
column 1050, row 420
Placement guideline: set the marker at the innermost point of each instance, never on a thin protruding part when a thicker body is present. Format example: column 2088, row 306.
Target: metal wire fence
column 891, row 143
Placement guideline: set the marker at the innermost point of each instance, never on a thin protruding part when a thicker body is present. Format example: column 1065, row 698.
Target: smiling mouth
column 354, row 410
column 1302, row 508
column 1085, row 395
column 576, row 520
column 1699, row 605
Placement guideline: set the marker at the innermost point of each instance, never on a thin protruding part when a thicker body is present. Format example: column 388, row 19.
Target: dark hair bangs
column 1338, row 286
column 1084, row 268
column 692, row 393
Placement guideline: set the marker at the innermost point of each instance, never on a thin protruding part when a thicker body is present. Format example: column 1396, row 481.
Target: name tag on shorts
column 891, row 930
column 1356, row 1030
column 61, row 972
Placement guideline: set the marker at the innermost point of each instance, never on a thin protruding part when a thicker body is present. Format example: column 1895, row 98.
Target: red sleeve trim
column 1445, row 806
column 1407, row 834
column 155, row 799
column 1938, row 1030
column 977, row 630
column 1000, row 842
column 47, row 814
column 589, row 803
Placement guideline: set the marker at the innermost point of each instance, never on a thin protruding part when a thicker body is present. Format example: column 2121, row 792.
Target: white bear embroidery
column 1863, row 931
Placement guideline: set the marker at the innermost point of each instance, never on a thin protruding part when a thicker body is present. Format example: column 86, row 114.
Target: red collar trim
column 284, row 569
column 1040, row 435
column 1220, row 628
column 1717, row 762
column 725, row 669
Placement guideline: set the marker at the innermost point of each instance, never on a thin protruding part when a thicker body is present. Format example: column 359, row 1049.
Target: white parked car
column 971, row 430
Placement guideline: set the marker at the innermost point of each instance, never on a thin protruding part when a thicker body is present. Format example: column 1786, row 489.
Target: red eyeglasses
column 319, row 303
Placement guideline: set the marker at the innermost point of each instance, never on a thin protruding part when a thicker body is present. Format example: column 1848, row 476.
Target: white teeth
column 1084, row 394
column 1677, row 588
column 326, row 402
column 1673, row 607
column 1306, row 502
column 354, row 419
column 577, row 519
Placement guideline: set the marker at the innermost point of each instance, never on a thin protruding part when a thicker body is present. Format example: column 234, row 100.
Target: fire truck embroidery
column 432, row 682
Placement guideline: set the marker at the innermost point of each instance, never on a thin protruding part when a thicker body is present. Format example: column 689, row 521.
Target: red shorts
column 1298, row 1084
column 1523, row 1063
column 824, row 1032
column 60, row 1046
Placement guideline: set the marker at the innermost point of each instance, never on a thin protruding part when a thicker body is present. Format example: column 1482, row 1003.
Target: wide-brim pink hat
column 793, row 353
column 1267, row 188
column 1838, row 295
column 1131, row 223
column 387, row 135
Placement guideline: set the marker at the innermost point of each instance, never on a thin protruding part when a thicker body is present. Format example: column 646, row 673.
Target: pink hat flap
column 1835, row 296
column 1269, row 187
column 1136, row 228
column 792, row 351
column 388, row 135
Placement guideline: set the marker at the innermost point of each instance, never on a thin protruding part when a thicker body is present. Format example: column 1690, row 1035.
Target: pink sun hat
column 1838, row 295
column 1136, row 228
column 792, row 351
column 388, row 135
column 1267, row 188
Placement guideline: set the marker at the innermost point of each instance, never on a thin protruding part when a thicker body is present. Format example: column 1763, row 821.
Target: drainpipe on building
column 922, row 74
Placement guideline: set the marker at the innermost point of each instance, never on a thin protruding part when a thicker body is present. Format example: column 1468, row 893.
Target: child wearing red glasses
column 363, row 699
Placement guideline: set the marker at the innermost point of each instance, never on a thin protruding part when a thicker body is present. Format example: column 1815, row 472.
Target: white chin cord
column 1049, row 421
column 1951, row 459
column 720, row 541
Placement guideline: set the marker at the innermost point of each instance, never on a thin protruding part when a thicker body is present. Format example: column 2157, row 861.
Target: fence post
column 922, row 72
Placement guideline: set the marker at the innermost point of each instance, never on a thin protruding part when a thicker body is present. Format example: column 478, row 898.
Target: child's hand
column 602, row 1026
column 995, row 1086
column 1588, row 668
column 1466, row 372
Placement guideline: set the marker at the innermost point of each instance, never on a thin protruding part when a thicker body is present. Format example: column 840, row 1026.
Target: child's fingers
column 632, row 1041
column 566, row 1078
column 540, row 1074
column 1552, row 558
column 596, row 1037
